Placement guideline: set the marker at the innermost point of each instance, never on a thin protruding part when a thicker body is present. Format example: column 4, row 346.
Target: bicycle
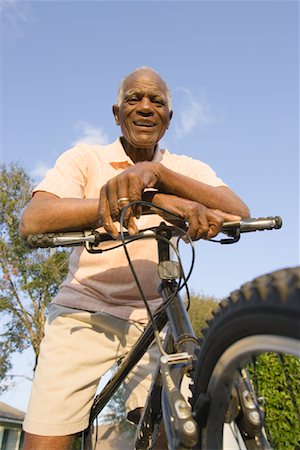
column 262, row 316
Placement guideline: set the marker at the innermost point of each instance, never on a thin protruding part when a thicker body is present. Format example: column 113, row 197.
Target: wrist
column 159, row 174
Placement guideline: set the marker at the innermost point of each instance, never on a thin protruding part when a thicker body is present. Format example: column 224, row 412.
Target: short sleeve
column 193, row 168
column 68, row 177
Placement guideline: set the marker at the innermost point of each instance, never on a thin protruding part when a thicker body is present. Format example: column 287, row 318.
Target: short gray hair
column 140, row 69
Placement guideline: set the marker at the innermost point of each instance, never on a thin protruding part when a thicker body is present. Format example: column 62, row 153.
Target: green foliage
column 77, row 444
column 200, row 311
column 276, row 381
column 28, row 278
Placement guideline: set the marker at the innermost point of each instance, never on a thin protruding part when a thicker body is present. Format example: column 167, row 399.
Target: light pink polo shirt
column 104, row 282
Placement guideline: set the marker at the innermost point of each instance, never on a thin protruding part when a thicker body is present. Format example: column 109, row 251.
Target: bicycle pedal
column 176, row 358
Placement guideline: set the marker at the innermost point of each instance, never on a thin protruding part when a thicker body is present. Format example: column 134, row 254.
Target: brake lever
column 234, row 237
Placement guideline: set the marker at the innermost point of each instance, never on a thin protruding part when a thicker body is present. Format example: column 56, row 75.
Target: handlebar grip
column 261, row 223
column 46, row 240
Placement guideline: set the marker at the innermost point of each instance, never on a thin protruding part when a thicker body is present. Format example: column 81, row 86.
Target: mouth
column 144, row 123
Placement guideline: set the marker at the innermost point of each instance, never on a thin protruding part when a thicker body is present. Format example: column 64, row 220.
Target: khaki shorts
column 77, row 350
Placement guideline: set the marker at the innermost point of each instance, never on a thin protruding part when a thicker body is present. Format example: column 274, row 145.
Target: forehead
column 145, row 81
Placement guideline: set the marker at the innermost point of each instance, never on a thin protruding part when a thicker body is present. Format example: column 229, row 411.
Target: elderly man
column 98, row 314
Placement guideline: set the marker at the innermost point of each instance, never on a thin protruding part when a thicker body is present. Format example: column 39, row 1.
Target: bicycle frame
column 179, row 424
column 181, row 343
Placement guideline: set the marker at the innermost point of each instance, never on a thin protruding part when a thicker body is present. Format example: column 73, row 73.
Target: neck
column 137, row 154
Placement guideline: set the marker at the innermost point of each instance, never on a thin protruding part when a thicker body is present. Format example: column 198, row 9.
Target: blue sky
column 232, row 67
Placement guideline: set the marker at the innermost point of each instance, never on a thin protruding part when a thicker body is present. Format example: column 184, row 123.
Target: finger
column 213, row 230
column 198, row 227
column 215, row 222
column 131, row 226
column 227, row 217
column 122, row 195
column 123, row 201
column 135, row 192
column 105, row 215
column 111, row 189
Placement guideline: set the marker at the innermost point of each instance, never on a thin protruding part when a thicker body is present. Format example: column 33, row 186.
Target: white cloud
column 193, row 112
column 39, row 171
column 90, row 134
column 15, row 15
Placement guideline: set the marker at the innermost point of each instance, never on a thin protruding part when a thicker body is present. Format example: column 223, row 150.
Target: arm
column 202, row 222
column 46, row 212
column 131, row 183
column 220, row 197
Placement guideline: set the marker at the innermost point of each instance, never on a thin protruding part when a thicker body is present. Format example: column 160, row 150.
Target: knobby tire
column 262, row 316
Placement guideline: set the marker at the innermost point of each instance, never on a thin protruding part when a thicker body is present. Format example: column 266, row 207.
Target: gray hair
column 140, row 69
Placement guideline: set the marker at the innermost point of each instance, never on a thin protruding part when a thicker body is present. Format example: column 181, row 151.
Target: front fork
column 245, row 410
column 180, row 426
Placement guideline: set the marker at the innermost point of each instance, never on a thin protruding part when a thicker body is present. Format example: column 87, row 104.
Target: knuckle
column 101, row 211
column 131, row 177
column 103, row 191
column 114, row 211
column 204, row 227
column 135, row 195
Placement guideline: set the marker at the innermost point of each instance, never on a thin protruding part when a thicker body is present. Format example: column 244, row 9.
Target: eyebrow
column 149, row 92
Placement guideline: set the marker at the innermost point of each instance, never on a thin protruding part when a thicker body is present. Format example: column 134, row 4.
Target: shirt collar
column 116, row 153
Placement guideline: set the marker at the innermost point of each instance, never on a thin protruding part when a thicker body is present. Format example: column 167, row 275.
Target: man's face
column 143, row 113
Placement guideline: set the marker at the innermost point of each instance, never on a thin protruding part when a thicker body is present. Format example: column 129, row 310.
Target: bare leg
column 35, row 442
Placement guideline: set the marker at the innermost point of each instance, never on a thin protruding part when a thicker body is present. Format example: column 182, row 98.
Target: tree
column 200, row 311
column 28, row 278
column 116, row 413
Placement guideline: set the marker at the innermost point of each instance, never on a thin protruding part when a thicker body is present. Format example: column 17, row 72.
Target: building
column 11, row 434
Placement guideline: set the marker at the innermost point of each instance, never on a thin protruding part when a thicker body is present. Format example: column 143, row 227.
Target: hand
column 203, row 222
column 128, row 186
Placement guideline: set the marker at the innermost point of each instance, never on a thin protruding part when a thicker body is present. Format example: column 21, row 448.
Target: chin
column 144, row 142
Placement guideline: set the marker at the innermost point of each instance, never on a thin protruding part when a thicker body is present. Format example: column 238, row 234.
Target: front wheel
column 255, row 334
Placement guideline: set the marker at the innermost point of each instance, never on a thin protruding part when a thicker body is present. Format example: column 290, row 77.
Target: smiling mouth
column 143, row 123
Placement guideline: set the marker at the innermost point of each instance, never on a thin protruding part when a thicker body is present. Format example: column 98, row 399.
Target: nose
column 145, row 107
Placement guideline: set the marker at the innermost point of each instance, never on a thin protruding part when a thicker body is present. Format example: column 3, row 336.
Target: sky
column 232, row 68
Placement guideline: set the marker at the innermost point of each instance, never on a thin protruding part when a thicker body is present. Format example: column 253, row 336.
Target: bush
column 276, row 381
column 200, row 311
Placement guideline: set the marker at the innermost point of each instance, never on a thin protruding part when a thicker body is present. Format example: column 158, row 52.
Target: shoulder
column 82, row 149
column 188, row 161
column 83, row 156
column 192, row 168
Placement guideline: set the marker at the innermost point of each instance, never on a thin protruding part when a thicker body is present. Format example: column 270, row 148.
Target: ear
column 170, row 117
column 115, row 110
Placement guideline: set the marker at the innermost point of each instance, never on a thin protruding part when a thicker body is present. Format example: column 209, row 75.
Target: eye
column 132, row 99
column 159, row 101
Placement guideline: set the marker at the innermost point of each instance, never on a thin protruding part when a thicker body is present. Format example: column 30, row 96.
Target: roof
column 8, row 412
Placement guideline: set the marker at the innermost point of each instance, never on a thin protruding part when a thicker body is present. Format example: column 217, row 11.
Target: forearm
column 46, row 213
column 202, row 221
column 221, row 197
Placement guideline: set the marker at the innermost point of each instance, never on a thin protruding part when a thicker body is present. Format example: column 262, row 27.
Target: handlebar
column 93, row 238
